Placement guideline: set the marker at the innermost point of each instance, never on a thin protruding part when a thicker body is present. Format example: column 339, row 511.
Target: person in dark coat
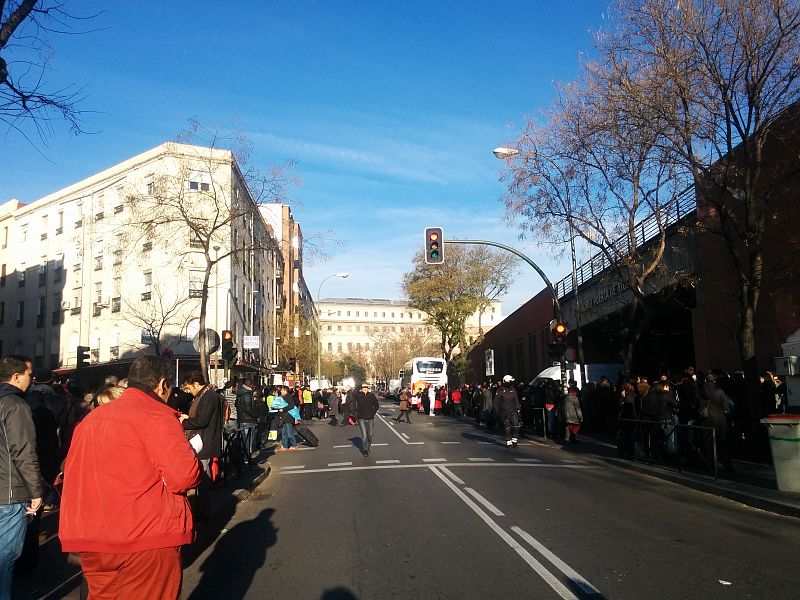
column 366, row 405
column 712, row 411
column 506, row 407
column 204, row 420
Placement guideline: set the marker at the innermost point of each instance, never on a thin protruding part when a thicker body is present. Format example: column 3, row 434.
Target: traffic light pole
column 556, row 303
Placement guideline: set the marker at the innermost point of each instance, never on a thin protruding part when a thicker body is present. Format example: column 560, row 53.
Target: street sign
column 490, row 363
column 212, row 341
column 251, row 342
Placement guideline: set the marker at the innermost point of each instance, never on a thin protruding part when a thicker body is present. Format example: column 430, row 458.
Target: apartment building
column 356, row 324
column 109, row 263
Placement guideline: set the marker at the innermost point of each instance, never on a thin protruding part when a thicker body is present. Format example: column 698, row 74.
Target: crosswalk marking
column 387, row 462
column 429, row 460
column 344, row 446
column 381, row 444
column 486, row 443
column 481, row 459
column 287, row 467
column 340, row 464
column 451, row 442
column 536, row 460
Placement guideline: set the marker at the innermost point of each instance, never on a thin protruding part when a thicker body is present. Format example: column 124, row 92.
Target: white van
column 594, row 372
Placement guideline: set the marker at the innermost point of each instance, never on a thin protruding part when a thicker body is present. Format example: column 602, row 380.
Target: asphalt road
column 441, row 509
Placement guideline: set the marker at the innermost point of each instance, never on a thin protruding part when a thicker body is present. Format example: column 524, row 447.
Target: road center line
column 576, row 577
column 418, row 465
column 486, row 504
column 534, row 564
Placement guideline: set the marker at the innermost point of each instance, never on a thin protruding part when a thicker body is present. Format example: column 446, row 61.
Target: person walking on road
column 573, row 417
column 366, row 405
column 403, row 406
column 506, row 406
column 20, row 479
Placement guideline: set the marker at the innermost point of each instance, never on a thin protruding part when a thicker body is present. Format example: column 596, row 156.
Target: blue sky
column 391, row 110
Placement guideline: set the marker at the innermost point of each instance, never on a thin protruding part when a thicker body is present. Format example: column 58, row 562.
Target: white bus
column 423, row 370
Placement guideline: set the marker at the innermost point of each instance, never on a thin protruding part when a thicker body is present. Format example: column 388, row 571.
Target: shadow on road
column 229, row 570
column 338, row 593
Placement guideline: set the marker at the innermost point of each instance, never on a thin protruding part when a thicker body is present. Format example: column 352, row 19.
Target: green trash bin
column 784, row 441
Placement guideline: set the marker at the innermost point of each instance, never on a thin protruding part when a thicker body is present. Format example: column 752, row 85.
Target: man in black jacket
column 20, row 478
column 366, row 405
column 204, row 419
column 506, row 407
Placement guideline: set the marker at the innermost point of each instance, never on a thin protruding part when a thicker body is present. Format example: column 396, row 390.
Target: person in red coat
column 124, row 507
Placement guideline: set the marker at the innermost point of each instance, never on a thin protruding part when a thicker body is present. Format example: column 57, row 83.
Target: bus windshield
column 430, row 366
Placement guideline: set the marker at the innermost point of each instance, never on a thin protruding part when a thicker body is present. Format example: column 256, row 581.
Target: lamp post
column 504, row 153
column 319, row 321
column 216, row 308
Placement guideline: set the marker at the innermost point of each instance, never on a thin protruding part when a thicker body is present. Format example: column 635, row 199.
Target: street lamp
column 319, row 321
column 504, row 153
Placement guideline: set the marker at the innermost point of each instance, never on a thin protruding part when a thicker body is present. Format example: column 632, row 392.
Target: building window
column 358, row 327
column 3, row 276
column 393, row 315
column 338, row 313
column 150, row 187
column 20, row 313
column 148, row 285
column 23, row 233
column 43, row 272
column 21, row 278
column 5, row 237
column 330, row 346
column 348, row 313
column 98, row 262
column 199, row 186
column 349, row 347
column 357, row 314
column 338, row 328
column 330, row 327
column 2, row 312
column 383, row 315
column 115, row 304
column 339, row 347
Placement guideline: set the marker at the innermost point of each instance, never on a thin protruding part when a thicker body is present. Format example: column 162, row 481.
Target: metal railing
column 685, row 447
column 646, row 230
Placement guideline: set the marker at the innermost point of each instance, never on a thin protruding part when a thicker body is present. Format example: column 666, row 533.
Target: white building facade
column 103, row 263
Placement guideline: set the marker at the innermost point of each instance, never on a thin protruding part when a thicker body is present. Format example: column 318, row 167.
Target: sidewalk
column 225, row 497
column 752, row 484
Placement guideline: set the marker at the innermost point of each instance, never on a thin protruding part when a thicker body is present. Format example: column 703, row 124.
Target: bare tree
column 599, row 169
column 728, row 77
column 162, row 313
column 205, row 209
column 25, row 55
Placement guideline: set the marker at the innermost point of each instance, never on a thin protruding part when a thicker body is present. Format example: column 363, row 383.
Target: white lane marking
column 345, row 446
column 486, row 504
column 570, row 461
column 415, row 466
column 430, row 460
column 428, row 424
column 530, row 460
column 293, row 467
column 452, row 475
column 486, row 443
column 480, row 459
column 59, row 586
column 573, row 575
column 381, row 444
column 405, row 435
column 534, row 564
column 451, row 442
column 387, row 462
column 304, row 447
column 340, row 464
column 397, row 433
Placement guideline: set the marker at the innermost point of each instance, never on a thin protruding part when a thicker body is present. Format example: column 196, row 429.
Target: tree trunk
column 202, row 338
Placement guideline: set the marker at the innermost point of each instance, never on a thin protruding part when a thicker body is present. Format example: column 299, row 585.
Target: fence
column 691, row 447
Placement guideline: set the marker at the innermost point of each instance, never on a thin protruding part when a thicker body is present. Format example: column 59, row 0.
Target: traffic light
column 83, row 356
column 558, row 340
column 560, row 331
column 229, row 351
column 434, row 245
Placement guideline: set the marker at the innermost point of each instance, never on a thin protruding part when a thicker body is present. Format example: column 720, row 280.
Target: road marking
column 528, row 460
column 344, row 446
column 304, row 447
column 452, row 475
column 534, row 564
column 398, row 434
column 341, row 464
column 570, row 461
column 451, row 465
column 293, row 467
column 486, row 504
column 480, row 459
column 573, row 575
column 451, row 442
column 387, row 462
column 405, row 435
column 486, row 443
column 381, row 444
column 430, row 460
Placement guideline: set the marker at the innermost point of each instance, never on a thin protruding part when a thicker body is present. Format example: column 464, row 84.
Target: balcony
column 196, row 293
column 78, row 224
column 147, row 295
column 76, row 267
column 115, row 304
column 94, row 356
column 99, row 216
column 43, row 237
column 59, row 230
column 118, row 209
column 147, row 246
column 76, row 310
column 114, row 352
column 98, row 263
column 97, row 310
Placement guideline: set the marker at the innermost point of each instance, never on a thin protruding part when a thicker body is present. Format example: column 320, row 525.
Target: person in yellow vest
column 307, row 403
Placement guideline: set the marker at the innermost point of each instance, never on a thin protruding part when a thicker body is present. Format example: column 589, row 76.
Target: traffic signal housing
column 558, row 340
column 83, row 357
column 229, row 351
column 434, row 245
column 560, row 331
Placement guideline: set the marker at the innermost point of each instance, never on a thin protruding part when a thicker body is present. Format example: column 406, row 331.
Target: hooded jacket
column 20, row 478
column 205, row 419
column 126, row 478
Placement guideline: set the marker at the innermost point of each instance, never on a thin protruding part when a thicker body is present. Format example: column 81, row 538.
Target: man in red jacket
column 124, row 506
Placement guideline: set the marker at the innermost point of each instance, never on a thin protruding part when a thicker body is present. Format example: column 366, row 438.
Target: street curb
column 743, row 497
column 241, row 494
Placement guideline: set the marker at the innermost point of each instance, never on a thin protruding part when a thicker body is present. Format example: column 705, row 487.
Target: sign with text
column 250, row 342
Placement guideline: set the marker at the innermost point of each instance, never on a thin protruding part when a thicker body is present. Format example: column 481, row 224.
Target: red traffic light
column 227, row 335
column 560, row 329
column 434, row 236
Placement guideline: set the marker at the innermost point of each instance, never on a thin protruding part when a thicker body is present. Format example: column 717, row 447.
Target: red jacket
column 126, row 476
